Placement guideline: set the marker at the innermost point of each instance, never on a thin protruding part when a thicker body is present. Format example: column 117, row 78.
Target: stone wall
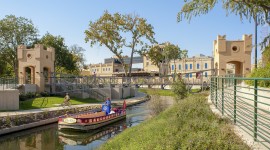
column 9, row 100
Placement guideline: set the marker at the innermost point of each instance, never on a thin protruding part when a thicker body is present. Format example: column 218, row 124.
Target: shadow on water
column 49, row 138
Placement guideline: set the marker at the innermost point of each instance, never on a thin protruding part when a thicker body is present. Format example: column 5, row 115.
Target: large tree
column 118, row 32
column 249, row 9
column 78, row 55
column 173, row 52
column 13, row 32
column 64, row 61
column 156, row 56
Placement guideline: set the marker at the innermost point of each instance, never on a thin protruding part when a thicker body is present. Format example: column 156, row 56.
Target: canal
column 49, row 138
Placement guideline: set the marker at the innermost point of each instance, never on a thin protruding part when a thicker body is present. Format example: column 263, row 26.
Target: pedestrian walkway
column 131, row 101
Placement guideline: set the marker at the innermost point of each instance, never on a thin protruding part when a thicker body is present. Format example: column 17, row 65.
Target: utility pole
column 255, row 41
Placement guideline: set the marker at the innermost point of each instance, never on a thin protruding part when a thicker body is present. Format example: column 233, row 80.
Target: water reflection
column 49, row 138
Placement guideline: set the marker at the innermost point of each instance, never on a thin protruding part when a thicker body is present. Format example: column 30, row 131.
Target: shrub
column 156, row 105
column 261, row 72
column 180, row 90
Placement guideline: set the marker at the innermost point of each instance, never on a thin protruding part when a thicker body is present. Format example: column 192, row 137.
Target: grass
column 53, row 101
column 157, row 92
column 190, row 124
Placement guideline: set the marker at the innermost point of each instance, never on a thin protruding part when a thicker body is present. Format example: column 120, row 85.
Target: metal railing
column 8, row 83
column 245, row 103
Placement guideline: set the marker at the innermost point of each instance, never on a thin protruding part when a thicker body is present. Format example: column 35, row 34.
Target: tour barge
column 90, row 120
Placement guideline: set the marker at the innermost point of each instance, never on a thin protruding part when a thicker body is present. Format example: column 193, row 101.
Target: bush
column 22, row 97
column 156, row 105
column 261, row 72
column 44, row 94
column 180, row 90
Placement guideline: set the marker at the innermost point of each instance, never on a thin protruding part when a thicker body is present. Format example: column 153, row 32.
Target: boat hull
column 91, row 126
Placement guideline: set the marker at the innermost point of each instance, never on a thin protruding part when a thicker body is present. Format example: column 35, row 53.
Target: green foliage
column 248, row 9
column 113, row 30
column 28, row 95
column 266, row 55
column 13, row 32
column 155, row 55
column 180, row 90
column 188, row 125
column 159, row 92
column 261, row 72
column 64, row 59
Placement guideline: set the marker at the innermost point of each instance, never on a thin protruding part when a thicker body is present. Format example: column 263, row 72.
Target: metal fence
column 8, row 83
column 246, row 102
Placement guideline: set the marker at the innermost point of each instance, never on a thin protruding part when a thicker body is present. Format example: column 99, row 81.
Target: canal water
column 49, row 138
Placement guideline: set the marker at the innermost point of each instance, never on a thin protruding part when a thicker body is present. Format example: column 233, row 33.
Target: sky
column 70, row 18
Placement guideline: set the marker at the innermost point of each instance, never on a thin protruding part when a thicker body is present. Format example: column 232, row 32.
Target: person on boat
column 107, row 106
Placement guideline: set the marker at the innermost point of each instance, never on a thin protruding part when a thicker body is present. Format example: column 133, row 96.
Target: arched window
column 198, row 66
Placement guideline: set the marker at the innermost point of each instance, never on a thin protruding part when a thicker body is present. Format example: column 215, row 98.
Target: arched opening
column 46, row 74
column 234, row 68
column 29, row 75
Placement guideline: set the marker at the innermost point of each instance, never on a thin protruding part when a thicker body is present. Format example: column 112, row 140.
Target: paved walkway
column 131, row 101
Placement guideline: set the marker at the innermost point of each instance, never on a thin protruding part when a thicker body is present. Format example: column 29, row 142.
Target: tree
column 13, row 32
column 78, row 55
column 249, row 9
column 172, row 52
column 156, row 56
column 64, row 61
column 113, row 31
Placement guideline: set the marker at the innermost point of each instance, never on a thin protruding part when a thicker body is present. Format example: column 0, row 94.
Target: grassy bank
column 157, row 92
column 47, row 102
column 190, row 124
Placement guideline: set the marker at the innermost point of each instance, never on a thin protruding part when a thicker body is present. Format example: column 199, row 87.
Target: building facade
column 193, row 68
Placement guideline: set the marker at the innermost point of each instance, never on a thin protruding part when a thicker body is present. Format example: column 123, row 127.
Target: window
column 106, row 69
column 172, row 67
column 190, row 66
column 97, row 70
column 205, row 74
column 116, row 70
column 198, row 66
column 186, row 66
column 103, row 69
column 179, row 67
column 190, row 75
column 186, row 75
column 147, row 63
column 109, row 69
column 205, row 65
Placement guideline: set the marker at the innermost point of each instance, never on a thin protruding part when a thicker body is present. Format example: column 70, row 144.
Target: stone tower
column 233, row 52
column 35, row 65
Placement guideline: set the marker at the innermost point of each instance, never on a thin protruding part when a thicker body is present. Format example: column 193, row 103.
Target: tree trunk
column 131, row 59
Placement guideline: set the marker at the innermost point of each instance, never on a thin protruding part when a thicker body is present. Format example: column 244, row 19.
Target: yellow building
column 105, row 69
column 190, row 67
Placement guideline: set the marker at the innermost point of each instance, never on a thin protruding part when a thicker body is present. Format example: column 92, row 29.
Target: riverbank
column 190, row 124
column 20, row 120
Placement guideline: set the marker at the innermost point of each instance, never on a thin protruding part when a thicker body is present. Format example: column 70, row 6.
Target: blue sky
column 69, row 19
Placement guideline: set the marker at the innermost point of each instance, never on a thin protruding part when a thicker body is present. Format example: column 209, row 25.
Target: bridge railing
column 246, row 103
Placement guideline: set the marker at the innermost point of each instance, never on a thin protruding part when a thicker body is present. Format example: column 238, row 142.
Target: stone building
column 237, row 53
column 35, row 67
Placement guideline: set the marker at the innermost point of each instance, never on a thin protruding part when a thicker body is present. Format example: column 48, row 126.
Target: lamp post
column 255, row 41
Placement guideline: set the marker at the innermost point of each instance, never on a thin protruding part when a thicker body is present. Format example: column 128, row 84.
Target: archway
column 29, row 75
column 46, row 74
column 234, row 68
